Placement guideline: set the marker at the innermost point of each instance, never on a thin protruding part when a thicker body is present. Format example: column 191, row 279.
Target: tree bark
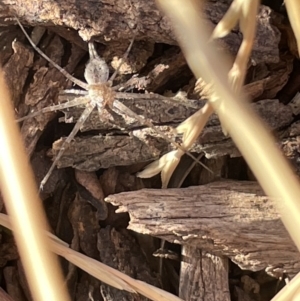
column 227, row 218
column 117, row 20
column 203, row 276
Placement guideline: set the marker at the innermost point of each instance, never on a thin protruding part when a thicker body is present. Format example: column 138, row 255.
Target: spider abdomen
column 96, row 71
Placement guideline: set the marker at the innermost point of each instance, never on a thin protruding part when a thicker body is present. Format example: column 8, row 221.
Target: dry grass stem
column 191, row 129
column 24, row 206
column 248, row 132
column 293, row 9
column 245, row 12
column 290, row 292
column 101, row 271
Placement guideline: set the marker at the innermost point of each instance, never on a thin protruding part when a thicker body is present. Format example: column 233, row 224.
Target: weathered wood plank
column 227, row 218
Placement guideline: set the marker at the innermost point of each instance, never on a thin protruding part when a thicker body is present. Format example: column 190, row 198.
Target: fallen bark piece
column 90, row 153
column 227, row 218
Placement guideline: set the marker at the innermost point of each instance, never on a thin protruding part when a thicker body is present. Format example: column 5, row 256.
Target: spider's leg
column 86, row 113
column 144, row 121
column 63, row 71
column 111, row 79
column 73, row 91
column 72, row 103
column 149, row 96
column 67, row 95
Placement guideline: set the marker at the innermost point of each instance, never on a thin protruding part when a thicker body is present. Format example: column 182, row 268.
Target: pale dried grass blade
column 293, row 10
column 22, row 203
column 191, row 129
column 238, row 71
column 112, row 276
column 92, row 266
column 245, row 12
column 5, row 221
column 170, row 166
column 229, row 20
column 101, row 271
column 157, row 166
column 290, row 292
column 248, row 132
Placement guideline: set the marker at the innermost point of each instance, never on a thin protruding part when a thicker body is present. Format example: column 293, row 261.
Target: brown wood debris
column 230, row 218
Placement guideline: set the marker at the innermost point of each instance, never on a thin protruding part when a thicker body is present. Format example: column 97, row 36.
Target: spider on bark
column 98, row 92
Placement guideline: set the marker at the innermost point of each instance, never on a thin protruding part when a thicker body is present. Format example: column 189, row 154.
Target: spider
column 98, row 93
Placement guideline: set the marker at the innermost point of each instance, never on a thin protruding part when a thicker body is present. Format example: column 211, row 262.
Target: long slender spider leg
column 122, row 61
column 72, row 103
column 121, row 95
column 86, row 113
column 62, row 98
column 117, row 104
column 93, row 52
column 73, row 91
column 64, row 72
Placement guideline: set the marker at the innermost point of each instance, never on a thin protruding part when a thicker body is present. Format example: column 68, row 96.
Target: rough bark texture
column 116, row 20
column 233, row 219
column 203, row 276
column 120, row 251
column 142, row 145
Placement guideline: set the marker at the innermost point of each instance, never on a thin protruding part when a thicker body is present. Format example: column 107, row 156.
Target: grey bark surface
column 116, row 20
column 141, row 145
column 203, row 276
column 227, row 218
column 119, row 250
